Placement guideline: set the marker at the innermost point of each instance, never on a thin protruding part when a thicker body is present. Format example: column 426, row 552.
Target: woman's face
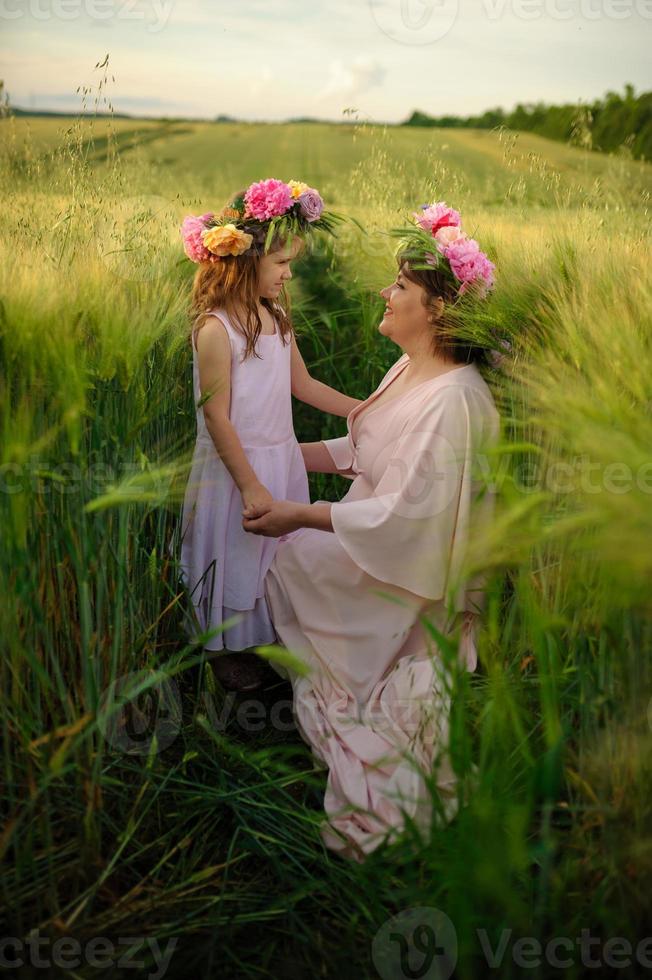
column 274, row 270
column 406, row 318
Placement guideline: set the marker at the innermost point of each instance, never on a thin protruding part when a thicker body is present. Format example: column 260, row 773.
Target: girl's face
column 406, row 318
column 274, row 270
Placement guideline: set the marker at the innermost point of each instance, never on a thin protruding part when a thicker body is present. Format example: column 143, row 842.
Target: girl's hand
column 256, row 498
column 282, row 517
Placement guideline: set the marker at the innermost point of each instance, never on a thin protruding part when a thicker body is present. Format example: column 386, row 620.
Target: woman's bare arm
column 317, row 458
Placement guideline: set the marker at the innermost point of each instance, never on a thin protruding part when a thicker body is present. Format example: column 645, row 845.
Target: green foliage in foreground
column 209, row 832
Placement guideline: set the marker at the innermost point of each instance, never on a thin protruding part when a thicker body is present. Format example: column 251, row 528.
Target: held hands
column 272, row 520
column 257, row 497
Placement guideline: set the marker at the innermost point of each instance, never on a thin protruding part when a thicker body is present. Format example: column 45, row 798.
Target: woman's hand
column 273, row 520
column 257, row 497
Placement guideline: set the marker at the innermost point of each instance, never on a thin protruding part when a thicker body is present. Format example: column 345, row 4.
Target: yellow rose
column 226, row 240
column 297, row 187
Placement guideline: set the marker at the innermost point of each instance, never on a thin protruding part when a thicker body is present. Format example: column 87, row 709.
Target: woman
column 352, row 585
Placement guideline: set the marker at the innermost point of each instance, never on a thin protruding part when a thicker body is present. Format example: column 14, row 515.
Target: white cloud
column 260, row 82
column 350, row 81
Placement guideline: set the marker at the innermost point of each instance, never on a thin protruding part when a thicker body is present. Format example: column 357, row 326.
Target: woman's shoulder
column 463, row 388
column 465, row 377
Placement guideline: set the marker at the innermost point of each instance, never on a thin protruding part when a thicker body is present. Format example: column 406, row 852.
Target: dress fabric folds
column 362, row 606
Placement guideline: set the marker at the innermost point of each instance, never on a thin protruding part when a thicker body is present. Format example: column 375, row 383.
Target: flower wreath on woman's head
column 437, row 241
column 267, row 210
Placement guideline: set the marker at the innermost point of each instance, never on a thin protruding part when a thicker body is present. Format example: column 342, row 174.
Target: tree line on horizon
column 603, row 125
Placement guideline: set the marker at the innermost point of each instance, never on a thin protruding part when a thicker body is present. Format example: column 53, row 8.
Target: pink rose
column 268, row 199
column 436, row 216
column 191, row 232
column 311, row 204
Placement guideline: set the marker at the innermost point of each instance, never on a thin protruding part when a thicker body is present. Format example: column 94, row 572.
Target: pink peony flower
column 311, row 204
column 191, row 231
column 470, row 265
column 436, row 216
column 446, row 236
column 268, row 199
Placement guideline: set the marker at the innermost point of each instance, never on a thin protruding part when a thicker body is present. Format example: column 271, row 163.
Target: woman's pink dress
column 222, row 566
column 374, row 706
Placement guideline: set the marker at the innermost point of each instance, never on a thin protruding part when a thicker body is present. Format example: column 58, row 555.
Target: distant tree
column 420, row 119
column 606, row 124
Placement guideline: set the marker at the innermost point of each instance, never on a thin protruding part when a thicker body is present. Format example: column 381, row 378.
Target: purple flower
column 311, row 204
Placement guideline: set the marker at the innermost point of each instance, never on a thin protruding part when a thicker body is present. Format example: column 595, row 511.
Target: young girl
column 246, row 366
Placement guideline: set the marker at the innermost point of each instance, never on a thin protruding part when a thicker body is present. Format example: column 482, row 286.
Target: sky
column 279, row 59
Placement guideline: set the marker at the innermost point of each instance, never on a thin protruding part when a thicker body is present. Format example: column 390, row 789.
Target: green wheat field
column 207, row 831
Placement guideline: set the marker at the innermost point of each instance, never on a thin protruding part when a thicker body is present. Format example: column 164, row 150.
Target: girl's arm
column 214, row 362
column 307, row 389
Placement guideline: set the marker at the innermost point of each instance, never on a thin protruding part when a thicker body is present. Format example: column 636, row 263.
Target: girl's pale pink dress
column 222, row 566
column 374, row 706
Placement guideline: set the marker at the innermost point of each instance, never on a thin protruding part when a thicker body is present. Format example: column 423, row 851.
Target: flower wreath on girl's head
column 268, row 209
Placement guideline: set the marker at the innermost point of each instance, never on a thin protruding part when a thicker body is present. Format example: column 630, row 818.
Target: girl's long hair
column 231, row 284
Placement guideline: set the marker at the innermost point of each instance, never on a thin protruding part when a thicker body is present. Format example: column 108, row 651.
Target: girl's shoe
column 240, row 671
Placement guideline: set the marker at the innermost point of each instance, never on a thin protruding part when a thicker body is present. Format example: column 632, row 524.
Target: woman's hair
column 446, row 339
column 232, row 284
